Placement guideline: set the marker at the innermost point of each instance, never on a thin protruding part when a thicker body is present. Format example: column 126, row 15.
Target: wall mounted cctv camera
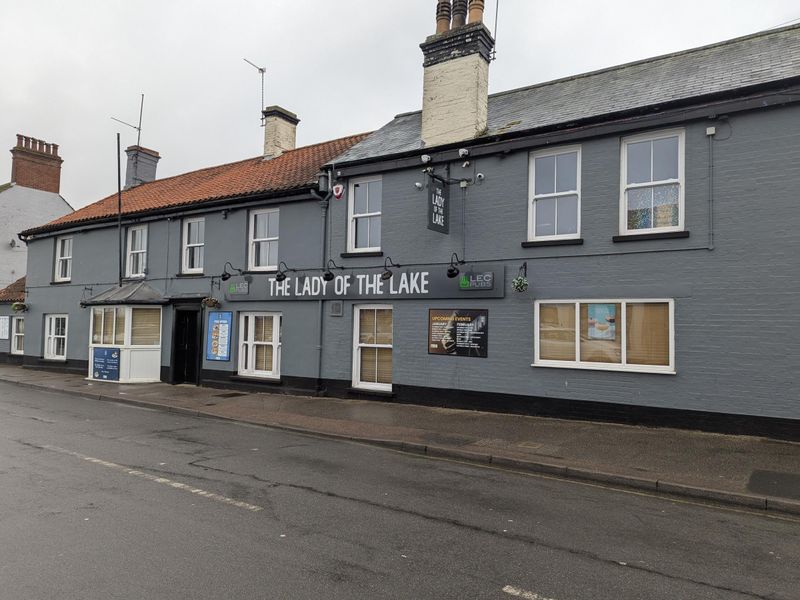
column 426, row 158
column 463, row 152
column 418, row 185
column 480, row 176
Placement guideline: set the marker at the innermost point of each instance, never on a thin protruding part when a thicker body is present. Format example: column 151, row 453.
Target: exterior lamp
column 328, row 274
column 387, row 272
column 281, row 274
column 225, row 274
column 452, row 270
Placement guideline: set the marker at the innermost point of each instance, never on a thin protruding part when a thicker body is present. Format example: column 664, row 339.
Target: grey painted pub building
column 621, row 244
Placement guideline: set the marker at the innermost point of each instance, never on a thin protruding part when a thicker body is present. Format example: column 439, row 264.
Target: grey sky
column 344, row 67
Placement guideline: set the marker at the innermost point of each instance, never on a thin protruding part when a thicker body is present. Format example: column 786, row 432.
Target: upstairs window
column 364, row 208
column 137, row 251
column 652, row 183
column 264, row 237
column 63, row 267
column 194, row 239
column 555, row 208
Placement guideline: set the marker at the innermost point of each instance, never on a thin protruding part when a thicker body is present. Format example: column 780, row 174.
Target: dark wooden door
column 186, row 347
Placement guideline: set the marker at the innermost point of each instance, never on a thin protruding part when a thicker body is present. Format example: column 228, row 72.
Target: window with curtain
column 365, row 208
column 264, row 238
column 145, row 326
column 63, row 270
column 194, row 236
column 17, row 335
column 635, row 335
column 652, row 176
column 372, row 355
column 554, row 211
column 259, row 344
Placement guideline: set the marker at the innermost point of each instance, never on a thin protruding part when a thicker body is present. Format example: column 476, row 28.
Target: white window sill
column 259, row 377
column 606, row 367
column 373, row 387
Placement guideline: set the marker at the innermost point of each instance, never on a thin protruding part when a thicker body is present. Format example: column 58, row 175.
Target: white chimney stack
column 280, row 131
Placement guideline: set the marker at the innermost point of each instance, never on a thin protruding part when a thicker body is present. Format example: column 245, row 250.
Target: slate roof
column 14, row 292
column 754, row 60
column 294, row 170
column 137, row 292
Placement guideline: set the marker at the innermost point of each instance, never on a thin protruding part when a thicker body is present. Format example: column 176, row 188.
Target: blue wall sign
column 105, row 364
column 218, row 338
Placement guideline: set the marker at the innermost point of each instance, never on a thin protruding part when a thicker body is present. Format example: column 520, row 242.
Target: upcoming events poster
column 602, row 322
column 458, row 332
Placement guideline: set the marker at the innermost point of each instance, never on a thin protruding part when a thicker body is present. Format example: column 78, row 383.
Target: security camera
column 480, row 176
column 418, row 185
column 426, row 158
column 463, row 152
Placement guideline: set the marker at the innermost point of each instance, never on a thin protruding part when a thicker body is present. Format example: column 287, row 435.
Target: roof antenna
column 138, row 139
column 493, row 55
column 261, row 70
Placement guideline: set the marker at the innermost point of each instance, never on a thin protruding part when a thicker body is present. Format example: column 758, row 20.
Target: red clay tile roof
column 293, row 170
column 13, row 293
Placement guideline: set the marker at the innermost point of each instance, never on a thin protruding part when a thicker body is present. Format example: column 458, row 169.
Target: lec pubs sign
column 368, row 285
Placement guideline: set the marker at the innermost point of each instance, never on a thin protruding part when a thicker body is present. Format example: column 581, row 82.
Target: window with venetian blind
column 259, row 345
column 372, row 356
column 630, row 335
column 109, row 326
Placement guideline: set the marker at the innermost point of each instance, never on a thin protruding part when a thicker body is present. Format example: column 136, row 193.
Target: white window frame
column 130, row 252
column 49, row 339
column 277, row 323
column 597, row 366
column 15, row 335
column 533, row 197
column 186, row 247
column 625, row 186
column 252, row 240
column 357, row 345
column 127, row 334
column 351, row 216
column 63, row 258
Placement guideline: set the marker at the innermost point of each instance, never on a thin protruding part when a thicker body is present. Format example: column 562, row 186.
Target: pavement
column 753, row 472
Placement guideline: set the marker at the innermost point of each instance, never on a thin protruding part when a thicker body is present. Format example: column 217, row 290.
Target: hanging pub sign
column 458, row 332
column 218, row 338
column 105, row 364
column 438, row 207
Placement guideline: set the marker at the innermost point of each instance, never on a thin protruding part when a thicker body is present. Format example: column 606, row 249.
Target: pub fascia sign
column 367, row 284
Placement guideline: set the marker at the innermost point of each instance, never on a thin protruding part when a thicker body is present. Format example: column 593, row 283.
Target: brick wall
column 36, row 164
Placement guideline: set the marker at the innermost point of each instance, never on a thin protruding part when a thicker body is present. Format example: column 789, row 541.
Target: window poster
column 4, row 332
column 218, row 340
column 458, row 332
column 602, row 323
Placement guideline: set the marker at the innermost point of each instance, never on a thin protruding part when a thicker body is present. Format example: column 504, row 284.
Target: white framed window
column 652, row 183
column 137, row 251
column 126, row 326
column 108, row 326
column 55, row 337
column 372, row 347
column 615, row 335
column 194, row 240
column 17, row 335
column 364, row 206
column 554, row 211
column 263, row 240
column 260, row 344
column 63, row 266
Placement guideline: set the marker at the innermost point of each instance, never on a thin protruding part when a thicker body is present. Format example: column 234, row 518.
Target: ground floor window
column 372, row 347
column 17, row 335
column 126, row 326
column 630, row 335
column 260, row 344
column 55, row 339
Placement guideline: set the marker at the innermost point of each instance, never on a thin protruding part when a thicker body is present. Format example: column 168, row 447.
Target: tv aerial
column 138, row 128
column 262, row 71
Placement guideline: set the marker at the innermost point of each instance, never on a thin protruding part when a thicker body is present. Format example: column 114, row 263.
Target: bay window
column 625, row 335
column 652, row 182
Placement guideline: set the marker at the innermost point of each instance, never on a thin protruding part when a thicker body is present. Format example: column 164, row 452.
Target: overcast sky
column 344, row 66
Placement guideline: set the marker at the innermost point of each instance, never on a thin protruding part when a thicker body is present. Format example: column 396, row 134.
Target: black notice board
column 458, row 332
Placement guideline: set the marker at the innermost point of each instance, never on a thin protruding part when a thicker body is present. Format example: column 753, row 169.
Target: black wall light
column 281, row 274
column 387, row 272
column 452, row 270
column 328, row 274
column 226, row 275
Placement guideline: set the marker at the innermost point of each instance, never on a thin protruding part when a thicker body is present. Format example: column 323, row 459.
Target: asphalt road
column 101, row 500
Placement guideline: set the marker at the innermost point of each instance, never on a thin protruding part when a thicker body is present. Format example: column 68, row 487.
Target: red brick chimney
column 36, row 164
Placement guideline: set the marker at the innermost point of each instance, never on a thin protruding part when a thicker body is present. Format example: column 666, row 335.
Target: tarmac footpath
column 751, row 472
